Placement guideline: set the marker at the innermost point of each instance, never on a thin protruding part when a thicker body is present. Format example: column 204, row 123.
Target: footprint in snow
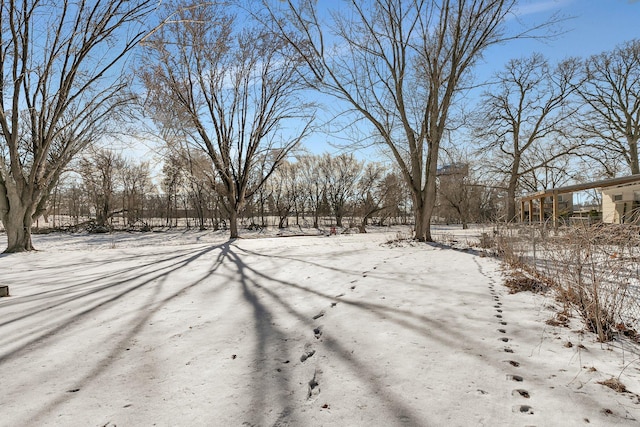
column 521, row 392
column 314, row 385
column 307, row 354
column 525, row 409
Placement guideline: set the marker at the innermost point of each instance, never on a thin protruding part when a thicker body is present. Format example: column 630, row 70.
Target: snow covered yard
column 187, row 329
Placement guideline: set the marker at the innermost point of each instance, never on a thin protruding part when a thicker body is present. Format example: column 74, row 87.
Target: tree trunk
column 633, row 155
column 17, row 224
column 511, row 200
column 419, row 216
column 511, row 188
column 233, row 223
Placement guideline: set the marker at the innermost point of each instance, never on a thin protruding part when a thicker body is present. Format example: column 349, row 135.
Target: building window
column 617, row 197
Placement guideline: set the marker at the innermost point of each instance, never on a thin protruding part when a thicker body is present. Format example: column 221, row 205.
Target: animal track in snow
column 516, row 378
column 317, row 332
column 514, row 363
column 504, row 339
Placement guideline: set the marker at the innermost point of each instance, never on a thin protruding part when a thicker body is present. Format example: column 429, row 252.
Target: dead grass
column 519, row 282
column 614, row 384
column 591, row 269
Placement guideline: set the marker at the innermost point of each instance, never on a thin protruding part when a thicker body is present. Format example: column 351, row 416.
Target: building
column 620, row 201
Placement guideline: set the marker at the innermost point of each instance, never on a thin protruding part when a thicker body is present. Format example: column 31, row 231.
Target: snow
column 185, row 328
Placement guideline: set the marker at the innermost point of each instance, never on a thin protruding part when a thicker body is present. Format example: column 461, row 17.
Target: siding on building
column 618, row 202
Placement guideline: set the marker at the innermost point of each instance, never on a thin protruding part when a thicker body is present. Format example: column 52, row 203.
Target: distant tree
column 611, row 93
column 99, row 173
column 173, row 178
column 340, row 174
column 136, row 185
column 396, row 198
column 62, row 83
column 524, row 117
column 371, row 193
column 313, row 185
column 398, row 65
column 455, row 191
column 283, row 191
column 231, row 88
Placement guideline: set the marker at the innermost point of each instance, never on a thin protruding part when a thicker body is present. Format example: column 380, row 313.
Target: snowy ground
column 186, row 329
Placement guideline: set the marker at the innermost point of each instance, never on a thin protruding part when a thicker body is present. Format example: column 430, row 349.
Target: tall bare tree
column 524, row 119
column 398, row 65
column 232, row 88
column 611, row 92
column 61, row 81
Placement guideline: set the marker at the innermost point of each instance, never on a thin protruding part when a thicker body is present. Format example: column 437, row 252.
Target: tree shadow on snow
column 93, row 300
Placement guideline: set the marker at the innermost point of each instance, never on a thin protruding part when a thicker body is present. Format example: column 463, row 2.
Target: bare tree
column 398, row 65
column 341, row 174
column 281, row 188
column 232, row 92
column 61, row 82
column 371, row 193
column 136, row 185
column 313, row 186
column 523, row 119
column 99, row 173
column 611, row 92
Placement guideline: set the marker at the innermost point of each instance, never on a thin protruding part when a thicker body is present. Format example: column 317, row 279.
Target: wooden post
column 554, row 198
column 521, row 210
column 541, row 210
column 530, row 211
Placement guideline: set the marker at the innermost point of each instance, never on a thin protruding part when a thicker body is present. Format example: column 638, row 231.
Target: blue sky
column 590, row 27
column 593, row 27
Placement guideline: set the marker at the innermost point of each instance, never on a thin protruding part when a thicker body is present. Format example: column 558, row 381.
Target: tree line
column 106, row 191
column 236, row 86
